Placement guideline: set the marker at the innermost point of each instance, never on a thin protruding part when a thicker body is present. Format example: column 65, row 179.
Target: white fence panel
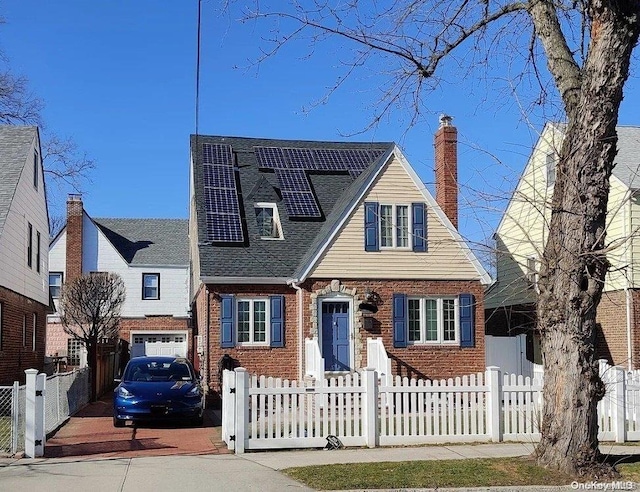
column 522, row 405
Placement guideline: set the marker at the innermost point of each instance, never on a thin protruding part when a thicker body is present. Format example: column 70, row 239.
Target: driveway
column 90, row 433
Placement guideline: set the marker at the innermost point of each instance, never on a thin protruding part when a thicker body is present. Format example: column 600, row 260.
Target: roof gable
column 15, row 145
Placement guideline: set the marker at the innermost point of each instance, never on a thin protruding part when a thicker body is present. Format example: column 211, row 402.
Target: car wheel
column 118, row 422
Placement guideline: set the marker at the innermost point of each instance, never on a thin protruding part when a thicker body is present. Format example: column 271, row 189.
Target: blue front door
column 335, row 336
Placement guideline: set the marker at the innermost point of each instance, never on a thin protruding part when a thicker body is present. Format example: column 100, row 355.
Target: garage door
column 159, row 344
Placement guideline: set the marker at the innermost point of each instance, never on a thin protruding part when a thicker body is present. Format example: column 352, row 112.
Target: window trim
column 29, row 245
column 36, row 170
column 276, row 220
column 38, row 251
column 61, row 275
column 33, row 331
column 394, row 226
column 24, row 330
column 267, row 321
column 149, row 274
column 440, row 321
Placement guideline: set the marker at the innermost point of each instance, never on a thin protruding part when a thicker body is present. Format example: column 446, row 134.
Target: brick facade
column 432, row 362
column 15, row 355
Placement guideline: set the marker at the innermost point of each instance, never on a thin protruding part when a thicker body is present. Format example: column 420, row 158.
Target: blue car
column 158, row 389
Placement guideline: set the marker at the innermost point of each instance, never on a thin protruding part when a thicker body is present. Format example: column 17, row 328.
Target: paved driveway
column 90, row 433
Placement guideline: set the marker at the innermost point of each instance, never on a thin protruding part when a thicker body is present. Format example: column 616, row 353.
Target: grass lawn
column 438, row 473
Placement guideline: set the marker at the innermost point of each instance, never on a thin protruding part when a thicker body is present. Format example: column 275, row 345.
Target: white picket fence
column 362, row 409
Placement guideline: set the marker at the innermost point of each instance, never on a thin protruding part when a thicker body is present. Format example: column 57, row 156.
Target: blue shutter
column 399, row 320
column 371, row 226
column 419, row 226
column 227, row 321
column 467, row 321
column 277, row 321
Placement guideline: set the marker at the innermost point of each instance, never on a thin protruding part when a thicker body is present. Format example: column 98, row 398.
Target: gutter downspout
column 206, row 339
column 630, row 271
column 295, row 283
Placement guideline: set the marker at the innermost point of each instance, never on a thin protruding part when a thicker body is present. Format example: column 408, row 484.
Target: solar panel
column 219, row 176
column 224, row 222
column 218, row 154
column 291, row 165
column 224, row 228
column 293, row 180
column 301, row 204
column 270, row 157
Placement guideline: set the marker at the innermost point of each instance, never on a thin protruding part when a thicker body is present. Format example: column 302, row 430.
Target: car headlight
column 124, row 392
column 193, row 392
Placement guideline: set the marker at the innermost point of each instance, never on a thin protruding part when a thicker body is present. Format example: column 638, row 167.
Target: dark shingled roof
column 15, row 144
column 271, row 258
column 149, row 241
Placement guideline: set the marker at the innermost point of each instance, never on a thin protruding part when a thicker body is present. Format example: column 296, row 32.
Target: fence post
column 620, row 404
column 494, row 403
column 370, row 422
column 228, row 407
column 15, row 416
column 34, row 429
column 242, row 408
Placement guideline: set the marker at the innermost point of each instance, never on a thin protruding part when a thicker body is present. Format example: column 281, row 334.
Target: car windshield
column 153, row 370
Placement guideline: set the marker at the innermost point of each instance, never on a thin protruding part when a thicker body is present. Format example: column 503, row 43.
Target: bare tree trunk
column 92, row 361
column 575, row 265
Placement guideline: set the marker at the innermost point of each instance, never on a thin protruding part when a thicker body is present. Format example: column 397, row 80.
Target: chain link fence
column 65, row 394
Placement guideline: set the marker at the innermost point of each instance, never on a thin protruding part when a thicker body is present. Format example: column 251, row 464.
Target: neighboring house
column 24, row 233
column 334, row 243
column 151, row 256
column 520, row 240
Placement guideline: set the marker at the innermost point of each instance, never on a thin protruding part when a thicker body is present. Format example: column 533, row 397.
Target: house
column 301, row 251
column 521, row 236
column 24, row 233
column 151, row 257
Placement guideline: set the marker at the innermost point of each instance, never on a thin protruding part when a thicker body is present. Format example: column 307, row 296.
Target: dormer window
column 268, row 221
column 551, row 168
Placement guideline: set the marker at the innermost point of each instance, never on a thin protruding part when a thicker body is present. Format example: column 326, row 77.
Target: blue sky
column 119, row 77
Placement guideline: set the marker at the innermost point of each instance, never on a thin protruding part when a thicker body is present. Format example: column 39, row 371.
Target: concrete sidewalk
column 249, row 471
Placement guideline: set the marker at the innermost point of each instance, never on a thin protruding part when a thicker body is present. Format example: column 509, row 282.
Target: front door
column 335, row 336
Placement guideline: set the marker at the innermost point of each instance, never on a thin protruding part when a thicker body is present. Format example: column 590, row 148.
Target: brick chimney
column 446, row 143
column 74, row 237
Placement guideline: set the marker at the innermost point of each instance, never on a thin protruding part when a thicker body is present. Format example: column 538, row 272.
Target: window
column 33, row 332
column 252, row 321
column 36, row 170
column 150, row 286
column 74, row 348
column 55, row 284
column 38, row 252
column 552, row 159
column 395, row 226
column 24, row 330
column 258, row 321
column 268, row 221
column 29, row 244
column 431, row 320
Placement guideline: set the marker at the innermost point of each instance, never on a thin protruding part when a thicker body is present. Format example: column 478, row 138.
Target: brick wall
column 15, row 356
column 282, row 362
column 414, row 361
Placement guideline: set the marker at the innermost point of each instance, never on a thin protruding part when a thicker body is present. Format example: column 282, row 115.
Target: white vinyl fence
column 64, row 394
column 362, row 409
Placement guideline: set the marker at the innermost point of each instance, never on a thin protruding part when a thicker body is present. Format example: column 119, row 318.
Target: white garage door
column 159, row 344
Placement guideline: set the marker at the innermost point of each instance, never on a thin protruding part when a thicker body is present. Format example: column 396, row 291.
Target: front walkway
column 90, row 433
